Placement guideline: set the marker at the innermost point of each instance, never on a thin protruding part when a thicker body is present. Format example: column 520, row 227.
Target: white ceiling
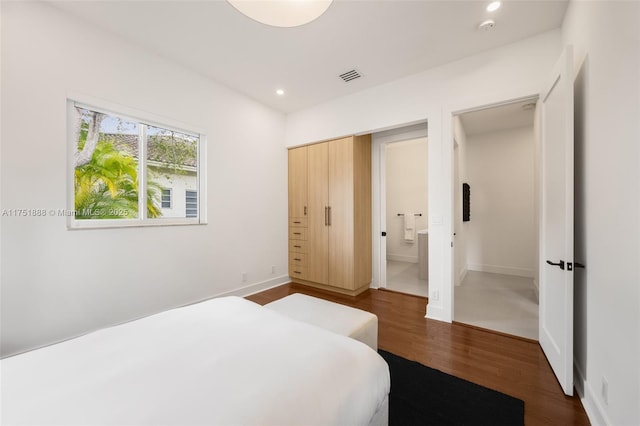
column 494, row 119
column 383, row 39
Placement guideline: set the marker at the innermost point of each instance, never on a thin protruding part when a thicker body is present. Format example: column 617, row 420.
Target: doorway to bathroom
column 404, row 193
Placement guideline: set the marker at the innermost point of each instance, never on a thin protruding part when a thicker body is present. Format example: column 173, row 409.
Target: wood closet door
column 341, row 196
column 298, row 183
column 318, row 198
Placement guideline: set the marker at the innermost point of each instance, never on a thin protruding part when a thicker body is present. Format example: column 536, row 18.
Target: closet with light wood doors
column 330, row 214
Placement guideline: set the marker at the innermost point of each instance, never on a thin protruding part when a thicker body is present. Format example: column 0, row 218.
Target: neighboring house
column 179, row 194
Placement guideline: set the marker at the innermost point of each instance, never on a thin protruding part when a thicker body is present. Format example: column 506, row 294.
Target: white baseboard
column 257, row 287
column 402, row 258
column 435, row 313
column 505, row 270
column 592, row 406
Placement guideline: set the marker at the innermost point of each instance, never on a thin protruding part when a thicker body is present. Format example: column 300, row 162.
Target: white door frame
column 448, row 179
column 380, row 142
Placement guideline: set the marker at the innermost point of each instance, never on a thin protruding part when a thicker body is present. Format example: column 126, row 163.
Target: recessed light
column 487, row 25
column 493, row 6
column 280, row 92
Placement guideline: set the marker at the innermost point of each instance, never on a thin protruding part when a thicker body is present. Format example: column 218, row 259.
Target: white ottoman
column 345, row 320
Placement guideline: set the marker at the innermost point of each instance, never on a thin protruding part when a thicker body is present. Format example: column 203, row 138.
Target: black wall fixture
column 466, row 202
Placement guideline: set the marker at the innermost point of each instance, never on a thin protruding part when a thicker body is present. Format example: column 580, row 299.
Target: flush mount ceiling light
column 493, row 6
column 280, row 92
column 282, row 13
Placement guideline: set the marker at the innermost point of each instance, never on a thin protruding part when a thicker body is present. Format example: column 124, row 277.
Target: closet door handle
column 326, row 216
column 329, row 215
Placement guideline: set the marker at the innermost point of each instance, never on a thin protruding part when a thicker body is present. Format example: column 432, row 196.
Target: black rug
column 421, row 395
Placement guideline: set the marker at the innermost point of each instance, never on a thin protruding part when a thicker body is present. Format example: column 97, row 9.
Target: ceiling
column 383, row 39
column 503, row 117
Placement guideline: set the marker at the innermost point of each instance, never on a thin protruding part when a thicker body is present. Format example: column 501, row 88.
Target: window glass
column 105, row 167
column 132, row 172
column 191, row 202
column 172, row 159
column 166, row 198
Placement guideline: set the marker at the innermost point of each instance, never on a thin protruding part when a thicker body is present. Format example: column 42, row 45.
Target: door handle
column 329, row 215
column 560, row 264
column 326, row 216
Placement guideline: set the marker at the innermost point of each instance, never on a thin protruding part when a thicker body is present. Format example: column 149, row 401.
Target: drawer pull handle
column 297, row 272
column 298, row 246
column 295, row 258
column 297, row 222
column 297, row 233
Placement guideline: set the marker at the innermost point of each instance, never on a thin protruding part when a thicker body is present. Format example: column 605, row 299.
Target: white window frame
column 143, row 117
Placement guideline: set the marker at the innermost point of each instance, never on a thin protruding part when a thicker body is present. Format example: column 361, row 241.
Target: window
column 125, row 170
column 166, row 198
column 191, row 202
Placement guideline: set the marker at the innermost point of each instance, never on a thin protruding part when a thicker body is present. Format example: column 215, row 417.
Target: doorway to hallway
column 496, row 221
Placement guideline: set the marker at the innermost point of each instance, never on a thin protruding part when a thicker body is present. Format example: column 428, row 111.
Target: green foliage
column 107, row 187
column 173, row 151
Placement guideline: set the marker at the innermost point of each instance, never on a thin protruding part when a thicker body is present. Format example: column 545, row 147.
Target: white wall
column 502, row 233
column 513, row 71
column 58, row 283
column 406, row 192
column 606, row 43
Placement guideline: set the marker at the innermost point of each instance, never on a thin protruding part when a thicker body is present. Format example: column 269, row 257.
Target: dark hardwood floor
column 507, row 364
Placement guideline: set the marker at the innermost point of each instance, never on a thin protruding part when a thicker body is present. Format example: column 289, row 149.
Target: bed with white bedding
column 223, row 361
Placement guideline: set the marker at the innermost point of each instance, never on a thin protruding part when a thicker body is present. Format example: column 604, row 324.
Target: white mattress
column 223, row 361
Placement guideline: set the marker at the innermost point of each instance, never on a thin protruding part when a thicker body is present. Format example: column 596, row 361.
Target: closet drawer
column 298, row 259
column 296, row 271
column 297, row 222
column 298, row 234
column 297, row 246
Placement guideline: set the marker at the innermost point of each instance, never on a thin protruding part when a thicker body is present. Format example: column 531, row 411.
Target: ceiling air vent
column 350, row 75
